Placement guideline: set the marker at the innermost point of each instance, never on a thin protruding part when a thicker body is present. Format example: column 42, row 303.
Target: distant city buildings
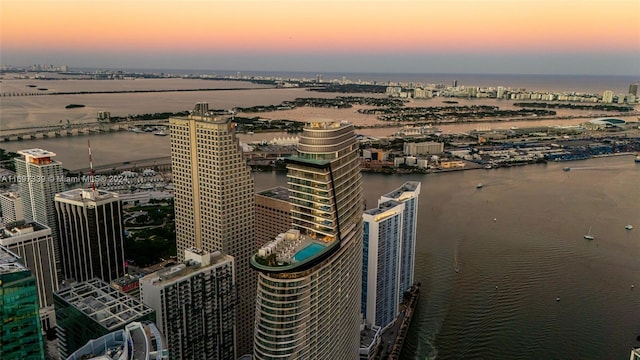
column 423, row 91
column 92, row 234
column 195, row 305
column 423, row 148
column 20, row 332
column 315, row 267
column 92, row 309
column 214, row 199
column 273, row 214
column 34, row 244
column 633, row 89
column 607, row 97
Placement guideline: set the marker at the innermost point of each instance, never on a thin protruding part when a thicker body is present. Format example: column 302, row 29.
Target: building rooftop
column 20, row 228
column 293, row 250
column 139, row 340
column 87, row 195
column 9, row 262
column 278, row 192
column 37, row 153
column 13, row 195
column 398, row 193
column 194, row 260
column 105, row 305
column 383, row 207
column 368, row 335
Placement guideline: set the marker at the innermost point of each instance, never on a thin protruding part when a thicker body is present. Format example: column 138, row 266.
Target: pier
column 410, row 304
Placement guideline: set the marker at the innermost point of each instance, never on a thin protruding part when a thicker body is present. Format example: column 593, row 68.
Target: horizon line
column 330, row 72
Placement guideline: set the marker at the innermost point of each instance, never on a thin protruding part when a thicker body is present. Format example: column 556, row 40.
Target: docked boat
column 588, row 235
column 637, row 159
column 628, row 227
column 160, row 133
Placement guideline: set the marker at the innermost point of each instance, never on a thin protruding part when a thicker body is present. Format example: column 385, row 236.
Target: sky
column 600, row 37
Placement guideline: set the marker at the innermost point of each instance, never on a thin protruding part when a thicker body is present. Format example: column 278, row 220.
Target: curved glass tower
column 309, row 280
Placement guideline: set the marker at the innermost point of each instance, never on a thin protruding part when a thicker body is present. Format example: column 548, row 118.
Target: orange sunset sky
column 518, row 36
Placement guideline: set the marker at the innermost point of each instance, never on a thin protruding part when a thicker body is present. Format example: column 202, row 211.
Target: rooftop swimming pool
column 308, row 252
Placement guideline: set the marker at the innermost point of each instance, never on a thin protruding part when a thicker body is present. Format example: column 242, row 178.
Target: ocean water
column 569, row 83
column 502, row 302
column 533, row 252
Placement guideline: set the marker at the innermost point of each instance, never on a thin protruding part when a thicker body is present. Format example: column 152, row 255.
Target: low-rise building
column 92, row 309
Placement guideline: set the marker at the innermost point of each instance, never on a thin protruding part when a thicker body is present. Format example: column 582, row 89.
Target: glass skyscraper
column 20, row 331
column 309, row 278
column 91, row 234
column 407, row 194
column 381, row 294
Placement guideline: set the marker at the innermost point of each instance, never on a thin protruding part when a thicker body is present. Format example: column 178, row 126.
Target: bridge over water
column 97, row 127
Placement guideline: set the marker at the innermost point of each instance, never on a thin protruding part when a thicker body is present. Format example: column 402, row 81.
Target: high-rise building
column 92, row 234
column 633, row 89
column 138, row 340
column 309, row 281
column 214, row 201
column 195, row 305
column 91, row 309
column 382, row 239
column 34, row 244
column 40, row 178
column 20, row 332
column 607, row 97
column 408, row 194
column 12, row 207
column 273, row 214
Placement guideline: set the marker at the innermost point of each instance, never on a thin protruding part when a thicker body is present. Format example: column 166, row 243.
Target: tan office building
column 214, row 198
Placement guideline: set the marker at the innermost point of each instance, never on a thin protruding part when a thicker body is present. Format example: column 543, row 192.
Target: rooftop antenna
column 93, row 183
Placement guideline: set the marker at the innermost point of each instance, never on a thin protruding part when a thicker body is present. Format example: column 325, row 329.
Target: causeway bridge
column 75, row 129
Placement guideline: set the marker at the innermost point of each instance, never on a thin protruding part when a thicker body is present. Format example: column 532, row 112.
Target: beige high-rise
column 214, row 202
column 309, row 281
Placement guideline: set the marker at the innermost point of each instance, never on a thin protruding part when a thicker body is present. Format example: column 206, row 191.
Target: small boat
column 558, row 299
column 588, row 235
column 479, row 186
column 566, row 168
column 494, row 219
column 629, row 227
column 637, row 159
column 160, row 133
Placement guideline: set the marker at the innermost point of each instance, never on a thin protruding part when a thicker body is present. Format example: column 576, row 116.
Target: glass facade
column 20, row 331
column 381, row 263
column 309, row 309
column 408, row 194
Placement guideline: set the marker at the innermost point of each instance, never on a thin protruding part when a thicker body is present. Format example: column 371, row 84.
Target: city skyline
column 500, row 36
